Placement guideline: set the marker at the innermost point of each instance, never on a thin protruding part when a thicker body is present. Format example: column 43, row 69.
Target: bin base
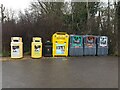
column 16, row 57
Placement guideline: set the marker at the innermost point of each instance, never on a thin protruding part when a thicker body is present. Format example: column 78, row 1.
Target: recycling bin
column 76, row 45
column 60, row 42
column 48, row 48
column 102, row 45
column 36, row 49
column 16, row 47
column 90, row 45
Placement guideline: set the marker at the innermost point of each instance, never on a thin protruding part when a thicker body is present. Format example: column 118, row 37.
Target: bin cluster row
column 63, row 45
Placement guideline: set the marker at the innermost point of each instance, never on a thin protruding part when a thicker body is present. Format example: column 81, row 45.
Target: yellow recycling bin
column 60, row 44
column 36, row 50
column 16, row 47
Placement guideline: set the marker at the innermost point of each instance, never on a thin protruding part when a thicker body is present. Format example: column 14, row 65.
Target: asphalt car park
column 61, row 72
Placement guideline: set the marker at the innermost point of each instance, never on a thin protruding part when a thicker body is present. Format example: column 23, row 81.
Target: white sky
column 21, row 4
column 16, row 4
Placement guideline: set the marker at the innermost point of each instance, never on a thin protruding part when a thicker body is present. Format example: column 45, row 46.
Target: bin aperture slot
column 37, row 40
column 15, row 40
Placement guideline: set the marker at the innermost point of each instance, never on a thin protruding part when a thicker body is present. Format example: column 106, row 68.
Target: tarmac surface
column 61, row 72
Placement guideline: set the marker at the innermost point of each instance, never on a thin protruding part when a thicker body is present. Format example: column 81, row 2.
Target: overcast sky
column 16, row 4
column 19, row 4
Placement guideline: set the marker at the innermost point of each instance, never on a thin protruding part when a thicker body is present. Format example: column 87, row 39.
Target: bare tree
column 2, row 13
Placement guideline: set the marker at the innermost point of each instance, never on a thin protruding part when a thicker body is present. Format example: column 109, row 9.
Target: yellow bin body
column 36, row 49
column 16, row 47
column 60, row 42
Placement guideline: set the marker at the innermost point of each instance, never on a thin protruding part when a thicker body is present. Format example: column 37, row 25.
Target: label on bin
column 77, row 46
column 15, row 51
column 90, row 41
column 60, row 48
column 103, row 41
column 37, row 48
column 76, row 41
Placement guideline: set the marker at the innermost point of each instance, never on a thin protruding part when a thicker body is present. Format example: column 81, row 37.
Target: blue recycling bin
column 89, row 45
column 102, row 45
column 76, row 45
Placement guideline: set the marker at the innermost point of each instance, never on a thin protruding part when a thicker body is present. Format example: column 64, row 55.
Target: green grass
column 5, row 53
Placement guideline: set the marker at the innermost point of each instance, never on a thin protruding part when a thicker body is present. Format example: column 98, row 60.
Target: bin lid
column 48, row 43
column 16, row 39
column 36, row 39
column 60, row 33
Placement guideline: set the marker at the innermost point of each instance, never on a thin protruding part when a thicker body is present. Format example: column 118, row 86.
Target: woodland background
column 45, row 18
